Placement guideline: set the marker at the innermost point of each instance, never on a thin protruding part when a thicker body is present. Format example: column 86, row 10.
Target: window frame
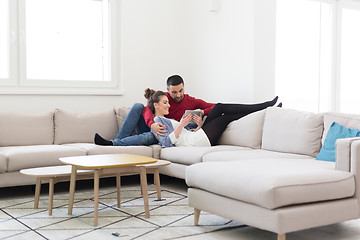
column 18, row 83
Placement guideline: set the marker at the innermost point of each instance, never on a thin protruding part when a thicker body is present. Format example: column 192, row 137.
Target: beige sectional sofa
column 263, row 172
column 277, row 184
column 40, row 139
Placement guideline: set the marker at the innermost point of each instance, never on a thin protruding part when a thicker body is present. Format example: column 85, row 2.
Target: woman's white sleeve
column 172, row 137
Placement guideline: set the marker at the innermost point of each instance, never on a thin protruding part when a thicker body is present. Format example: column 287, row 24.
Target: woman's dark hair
column 153, row 97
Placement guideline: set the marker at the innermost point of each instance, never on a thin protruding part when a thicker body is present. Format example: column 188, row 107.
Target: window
column 61, row 44
column 350, row 59
column 302, row 59
column 4, row 39
column 317, row 54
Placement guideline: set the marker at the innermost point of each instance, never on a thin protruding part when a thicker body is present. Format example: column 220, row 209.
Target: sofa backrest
column 246, row 131
column 292, row 131
column 80, row 127
column 18, row 129
column 347, row 120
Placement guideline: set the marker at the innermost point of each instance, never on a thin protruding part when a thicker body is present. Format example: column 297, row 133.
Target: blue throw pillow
column 336, row 131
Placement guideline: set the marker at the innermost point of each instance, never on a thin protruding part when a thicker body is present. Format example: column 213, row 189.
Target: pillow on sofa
column 347, row 120
column 246, row 131
column 121, row 113
column 292, row 131
column 76, row 127
column 336, row 131
column 19, row 129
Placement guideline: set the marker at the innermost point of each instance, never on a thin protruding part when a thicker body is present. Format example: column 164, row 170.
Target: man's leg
column 243, row 109
column 216, row 127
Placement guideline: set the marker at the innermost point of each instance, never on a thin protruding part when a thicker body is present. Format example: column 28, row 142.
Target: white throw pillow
column 347, row 120
column 292, row 131
column 19, row 129
column 246, row 131
column 80, row 127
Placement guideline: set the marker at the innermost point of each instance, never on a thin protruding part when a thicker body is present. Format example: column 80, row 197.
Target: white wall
column 213, row 51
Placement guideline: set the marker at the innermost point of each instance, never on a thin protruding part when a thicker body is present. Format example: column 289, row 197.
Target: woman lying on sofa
column 206, row 134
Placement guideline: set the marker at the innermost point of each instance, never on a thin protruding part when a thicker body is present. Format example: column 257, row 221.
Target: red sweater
column 177, row 109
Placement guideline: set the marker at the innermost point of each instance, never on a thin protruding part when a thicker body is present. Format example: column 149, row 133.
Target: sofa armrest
column 355, row 167
column 343, row 153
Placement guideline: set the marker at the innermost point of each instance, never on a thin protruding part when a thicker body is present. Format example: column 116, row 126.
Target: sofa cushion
column 336, row 131
column 20, row 157
column 272, row 183
column 92, row 149
column 18, row 129
column 80, row 127
column 347, row 120
column 156, row 150
column 191, row 155
column 121, row 113
column 240, row 155
column 3, row 163
column 292, row 131
column 246, row 131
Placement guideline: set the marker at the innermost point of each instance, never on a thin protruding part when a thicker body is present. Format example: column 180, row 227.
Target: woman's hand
column 185, row 120
column 198, row 120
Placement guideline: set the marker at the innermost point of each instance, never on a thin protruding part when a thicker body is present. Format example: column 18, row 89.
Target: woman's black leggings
column 222, row 114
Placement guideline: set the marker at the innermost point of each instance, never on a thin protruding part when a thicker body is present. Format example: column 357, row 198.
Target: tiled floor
column 170, row 219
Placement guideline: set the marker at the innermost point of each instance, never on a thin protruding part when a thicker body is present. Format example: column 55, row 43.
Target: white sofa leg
column 196, row 216
column 282, row 236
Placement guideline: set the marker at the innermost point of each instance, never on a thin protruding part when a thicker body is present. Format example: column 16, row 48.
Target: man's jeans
column 135, row 121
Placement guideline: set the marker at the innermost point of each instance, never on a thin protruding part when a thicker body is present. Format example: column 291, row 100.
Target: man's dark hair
column 174, row 80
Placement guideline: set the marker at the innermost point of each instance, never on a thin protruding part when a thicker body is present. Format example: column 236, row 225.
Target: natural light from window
column 301, row 60
column 68, row 40
column 4, row 36
column 350, row 61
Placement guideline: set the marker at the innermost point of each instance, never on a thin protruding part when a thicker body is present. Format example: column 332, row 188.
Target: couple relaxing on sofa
column 164, row 115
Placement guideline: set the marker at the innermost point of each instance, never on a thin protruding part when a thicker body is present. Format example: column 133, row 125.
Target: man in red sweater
column 140, row 118
column 179, row 103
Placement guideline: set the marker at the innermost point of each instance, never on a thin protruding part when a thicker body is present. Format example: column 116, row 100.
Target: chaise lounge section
column 281, row 187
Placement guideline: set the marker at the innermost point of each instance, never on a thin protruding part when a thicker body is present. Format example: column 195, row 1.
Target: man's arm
column 201, row 104
column 148, row 116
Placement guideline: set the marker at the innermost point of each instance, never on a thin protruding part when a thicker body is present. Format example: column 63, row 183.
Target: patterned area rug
column 170, row 218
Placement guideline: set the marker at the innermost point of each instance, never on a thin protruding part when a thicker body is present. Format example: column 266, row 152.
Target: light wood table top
column 107, row 160
column 64, row 170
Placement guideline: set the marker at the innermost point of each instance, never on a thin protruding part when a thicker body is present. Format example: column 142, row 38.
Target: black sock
column 272, row 102
column 101, row 141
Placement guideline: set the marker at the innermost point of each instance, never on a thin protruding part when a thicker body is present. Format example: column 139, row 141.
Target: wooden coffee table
column 55, row 174
column 109, row 164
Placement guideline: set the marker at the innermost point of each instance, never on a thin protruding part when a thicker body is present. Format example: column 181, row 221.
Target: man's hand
column 159, row 129
column 198, row 120
column 202, row 111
